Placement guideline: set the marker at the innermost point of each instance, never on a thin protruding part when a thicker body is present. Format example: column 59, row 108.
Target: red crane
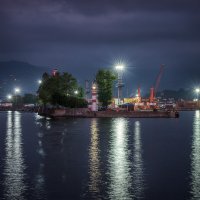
column 158, row 79
column 155, row 88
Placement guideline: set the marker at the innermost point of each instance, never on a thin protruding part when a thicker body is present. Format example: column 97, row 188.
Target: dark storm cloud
column 89, row 32
column 104, row 6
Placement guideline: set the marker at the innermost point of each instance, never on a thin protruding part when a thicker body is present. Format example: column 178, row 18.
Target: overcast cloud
column 81, row 36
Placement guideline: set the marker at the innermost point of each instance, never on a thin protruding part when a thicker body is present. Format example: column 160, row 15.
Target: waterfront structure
column 94, row 106
column 120, row 84
column 54, row 72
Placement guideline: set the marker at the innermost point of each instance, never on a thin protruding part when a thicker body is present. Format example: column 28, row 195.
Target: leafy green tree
column 105, row 79
column 80, row 92
column 44, row 91
column 59, row 90
column 54, row 87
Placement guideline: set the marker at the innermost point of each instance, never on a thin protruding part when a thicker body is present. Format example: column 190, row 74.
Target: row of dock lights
column 16, row 91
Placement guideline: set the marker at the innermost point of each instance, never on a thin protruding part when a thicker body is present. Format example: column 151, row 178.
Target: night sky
column 81, row 36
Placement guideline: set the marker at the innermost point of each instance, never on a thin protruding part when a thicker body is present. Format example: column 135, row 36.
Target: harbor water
column 99, row 158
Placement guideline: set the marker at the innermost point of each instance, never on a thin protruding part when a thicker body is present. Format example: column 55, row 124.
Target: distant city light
column 17, row 90
column 76, row 92
column 9, row 96
column 39, row 81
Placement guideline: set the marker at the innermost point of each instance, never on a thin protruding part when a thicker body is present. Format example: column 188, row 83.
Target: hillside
column 19, row 74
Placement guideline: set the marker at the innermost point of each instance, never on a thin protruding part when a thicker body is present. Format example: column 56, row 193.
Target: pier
column 77, row 112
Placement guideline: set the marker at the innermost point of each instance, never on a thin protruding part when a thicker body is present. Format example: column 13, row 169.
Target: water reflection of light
column 40, row 183
column 138, row 178
column 14, row 161
column 94, row 163
column 195, row 168
column 119, row 164
column 39, row 190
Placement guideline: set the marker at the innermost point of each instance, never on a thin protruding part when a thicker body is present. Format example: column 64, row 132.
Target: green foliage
column 59, row 90
column 69, row 101
column 80, row 92
column 105, row 79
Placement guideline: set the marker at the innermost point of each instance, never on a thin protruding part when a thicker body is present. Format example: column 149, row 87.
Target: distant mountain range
column 19, row 74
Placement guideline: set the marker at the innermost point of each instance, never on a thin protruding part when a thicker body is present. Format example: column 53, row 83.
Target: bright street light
column 9, row 96
column 17, row 90
column 197, row 90
column 39, row 81
column 119, row 67
column 76, row 92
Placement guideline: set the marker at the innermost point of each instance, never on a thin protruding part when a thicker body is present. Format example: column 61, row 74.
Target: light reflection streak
column 195, row 162
column 40, row 179
column 39, row 184
column 119, row 164
column 14, row 162
column 138, row 170
column 94, row 165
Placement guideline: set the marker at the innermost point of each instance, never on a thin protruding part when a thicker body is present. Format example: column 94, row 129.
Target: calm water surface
column 99, row 158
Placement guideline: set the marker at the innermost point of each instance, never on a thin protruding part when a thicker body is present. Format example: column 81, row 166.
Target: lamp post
column 17, row 91
column 76, row 93
column 120, row 84
column 197, row 90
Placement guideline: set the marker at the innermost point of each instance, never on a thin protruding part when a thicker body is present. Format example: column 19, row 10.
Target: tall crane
column 158, row 79
column 157, row 83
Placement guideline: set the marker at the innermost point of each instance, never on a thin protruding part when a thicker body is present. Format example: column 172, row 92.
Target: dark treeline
column 185, row 94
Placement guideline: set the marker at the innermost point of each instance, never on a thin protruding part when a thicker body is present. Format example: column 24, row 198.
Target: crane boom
column 158, row 79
